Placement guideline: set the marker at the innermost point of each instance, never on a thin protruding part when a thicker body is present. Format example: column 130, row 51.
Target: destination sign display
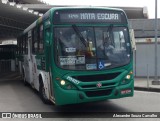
column 88, row 16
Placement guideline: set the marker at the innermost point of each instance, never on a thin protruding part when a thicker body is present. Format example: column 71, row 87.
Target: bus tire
column 42, row 94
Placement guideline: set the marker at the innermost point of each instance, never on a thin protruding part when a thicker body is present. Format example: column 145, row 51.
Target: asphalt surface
column 145, row 84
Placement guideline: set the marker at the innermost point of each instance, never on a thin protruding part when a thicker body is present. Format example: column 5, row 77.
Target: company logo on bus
column 99, row 85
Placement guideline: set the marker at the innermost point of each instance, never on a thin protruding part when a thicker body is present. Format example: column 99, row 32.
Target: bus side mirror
column 133, row 41
column 47, row 36
column 47, row 42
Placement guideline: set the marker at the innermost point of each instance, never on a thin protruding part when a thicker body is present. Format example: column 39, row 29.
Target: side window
column 41, row 44
column 20, row 46
column 34, row 41
column 17, row 50
column 119, row 40
column 26, row 45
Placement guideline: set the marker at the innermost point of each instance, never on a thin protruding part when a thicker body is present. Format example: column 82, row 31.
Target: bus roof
column 46, row 15
column 86, row 7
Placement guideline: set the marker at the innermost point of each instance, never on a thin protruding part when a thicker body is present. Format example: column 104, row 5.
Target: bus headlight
column 65, row 84
column 128, row 76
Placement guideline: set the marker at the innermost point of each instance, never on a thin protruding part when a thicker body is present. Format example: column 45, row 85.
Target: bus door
column 47, row 33
column 29, row 67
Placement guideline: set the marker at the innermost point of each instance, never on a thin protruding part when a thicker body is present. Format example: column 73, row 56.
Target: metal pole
column 156, row 81
column 147, row 76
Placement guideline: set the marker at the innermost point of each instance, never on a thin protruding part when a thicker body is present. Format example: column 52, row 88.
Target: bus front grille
column 98, row 93
column 98, row 77
column 95, row 86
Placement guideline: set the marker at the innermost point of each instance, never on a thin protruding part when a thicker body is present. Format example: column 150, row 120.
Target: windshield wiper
column 108, row 30
column 79, row 35
column 110, row 27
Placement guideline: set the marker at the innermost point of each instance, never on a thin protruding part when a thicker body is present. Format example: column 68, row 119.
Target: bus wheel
column 42, row 93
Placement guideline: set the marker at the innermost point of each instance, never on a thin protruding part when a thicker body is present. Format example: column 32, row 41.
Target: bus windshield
column 92, row 48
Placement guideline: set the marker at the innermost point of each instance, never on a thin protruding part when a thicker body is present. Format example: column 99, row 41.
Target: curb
column 147, row 89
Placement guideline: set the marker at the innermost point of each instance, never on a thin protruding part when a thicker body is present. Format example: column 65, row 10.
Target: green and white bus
column 78, row 54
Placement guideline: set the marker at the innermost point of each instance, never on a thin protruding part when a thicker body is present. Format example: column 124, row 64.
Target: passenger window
column 41, row 44
column 35, row 41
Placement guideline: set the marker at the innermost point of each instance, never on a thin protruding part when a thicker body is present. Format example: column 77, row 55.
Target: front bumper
column 64, row 97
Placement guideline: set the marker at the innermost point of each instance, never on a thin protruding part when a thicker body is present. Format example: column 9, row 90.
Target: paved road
column 14, row 96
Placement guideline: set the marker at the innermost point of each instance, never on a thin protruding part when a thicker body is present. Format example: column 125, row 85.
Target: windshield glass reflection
column 92, row 48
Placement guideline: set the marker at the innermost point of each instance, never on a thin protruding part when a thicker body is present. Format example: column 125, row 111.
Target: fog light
column 69, row 86
column 81, row 96
column 128, row 77
column 63, row 82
